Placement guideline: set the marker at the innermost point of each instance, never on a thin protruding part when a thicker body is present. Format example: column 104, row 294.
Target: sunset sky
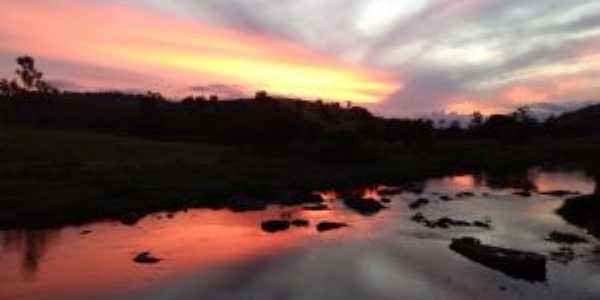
column 395, row 57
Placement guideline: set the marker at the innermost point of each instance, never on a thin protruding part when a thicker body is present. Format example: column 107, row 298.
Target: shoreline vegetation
column 67, row 158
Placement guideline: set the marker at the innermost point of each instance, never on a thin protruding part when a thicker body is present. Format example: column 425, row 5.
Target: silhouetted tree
column 476, row 120
column 261, row 95
column 31, row 78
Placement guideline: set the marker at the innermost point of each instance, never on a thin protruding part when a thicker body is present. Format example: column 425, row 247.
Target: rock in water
column 146, row 258
column 565, row 238
column 517, row 264
column 418, row 203
column 326, row 226
column 445, row 198
column 564, row 255
column 275, row 225
column 522, row 193
column 365, row 206
column 583, row 211
column 465, row 194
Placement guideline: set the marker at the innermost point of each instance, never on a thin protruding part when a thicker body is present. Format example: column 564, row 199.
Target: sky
column 395, row 57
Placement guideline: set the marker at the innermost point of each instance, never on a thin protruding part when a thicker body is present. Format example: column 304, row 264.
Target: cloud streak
column 182, row 51
column 402, row 57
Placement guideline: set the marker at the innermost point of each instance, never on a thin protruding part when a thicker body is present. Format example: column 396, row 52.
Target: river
column 219, row 254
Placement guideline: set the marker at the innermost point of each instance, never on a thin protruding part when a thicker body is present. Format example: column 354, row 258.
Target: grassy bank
column 53, row 177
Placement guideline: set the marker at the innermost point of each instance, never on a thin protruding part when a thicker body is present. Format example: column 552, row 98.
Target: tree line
column 264, row 123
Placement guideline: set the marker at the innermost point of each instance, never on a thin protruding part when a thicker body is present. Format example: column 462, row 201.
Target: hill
column 582, row 122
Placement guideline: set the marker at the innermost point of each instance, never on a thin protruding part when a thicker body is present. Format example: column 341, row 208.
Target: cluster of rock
column 273, row 226
column 565, row 254
column 446, row 222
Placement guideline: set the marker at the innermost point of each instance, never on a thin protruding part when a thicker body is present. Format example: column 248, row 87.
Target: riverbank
column 53, row 177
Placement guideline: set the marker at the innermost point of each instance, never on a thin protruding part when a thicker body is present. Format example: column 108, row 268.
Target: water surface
column 224, row 255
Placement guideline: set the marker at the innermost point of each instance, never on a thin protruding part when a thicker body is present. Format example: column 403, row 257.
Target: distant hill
column 584, row 121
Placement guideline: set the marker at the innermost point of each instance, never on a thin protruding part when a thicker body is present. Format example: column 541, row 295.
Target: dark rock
column 170, row 216
column 465, row 194
column 522, row 193
column 316, row 207
column 386, row 200
column 418, row 203
column 565, row 238
column 242, row 203
column 300, row 223
column 419, row 218
column 583, row 211
column 447, row 222
column 564, row 255
column 486, row 194
column 84, row 232
column 560, row 193
column 146, row 258
column 365, row 206
column 517, row 264
column 445, row 198
column 326, row 226
column 484, row 225
column 275, row 225
column 130, row 219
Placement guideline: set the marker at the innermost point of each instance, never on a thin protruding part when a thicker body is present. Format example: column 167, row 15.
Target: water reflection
column 31, row 245
column 520, row 179
column 564, row 180
column 65, row 264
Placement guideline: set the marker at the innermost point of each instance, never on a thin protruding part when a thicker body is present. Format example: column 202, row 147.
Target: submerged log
column 517, row 264
column 418, row 203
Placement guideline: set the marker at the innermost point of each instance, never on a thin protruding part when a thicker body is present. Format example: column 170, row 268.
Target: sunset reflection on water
column 65, row 262
column 69, row 263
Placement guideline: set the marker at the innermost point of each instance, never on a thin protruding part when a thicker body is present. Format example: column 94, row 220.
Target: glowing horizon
column 398, row 59
column 184, row 52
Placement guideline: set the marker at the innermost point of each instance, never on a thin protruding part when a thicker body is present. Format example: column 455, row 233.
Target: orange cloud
column 525, row 95
column 181, row 51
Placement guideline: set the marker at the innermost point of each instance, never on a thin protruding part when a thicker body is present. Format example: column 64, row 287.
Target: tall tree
column 30, row 78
